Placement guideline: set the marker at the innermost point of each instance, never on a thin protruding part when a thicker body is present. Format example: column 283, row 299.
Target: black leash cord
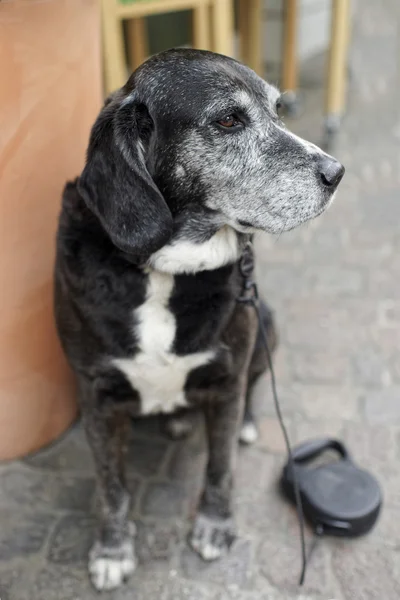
column 249, row 295
column 299, row 506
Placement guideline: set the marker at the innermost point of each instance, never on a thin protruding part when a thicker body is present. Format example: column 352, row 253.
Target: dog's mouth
column 281, row 221
column 245, row 224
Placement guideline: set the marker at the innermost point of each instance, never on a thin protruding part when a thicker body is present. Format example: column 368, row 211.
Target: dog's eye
column 230, row 122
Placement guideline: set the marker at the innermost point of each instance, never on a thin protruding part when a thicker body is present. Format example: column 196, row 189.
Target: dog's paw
column 248, row 433
column 110, row 567
column 212, row 538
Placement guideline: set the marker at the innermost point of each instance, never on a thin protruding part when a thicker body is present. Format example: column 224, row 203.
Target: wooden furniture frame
column 336, row 72
column 212, row 30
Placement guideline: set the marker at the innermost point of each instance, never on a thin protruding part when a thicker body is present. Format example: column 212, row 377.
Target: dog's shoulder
column 96, row 287
column 89, row 260
column 78, row 228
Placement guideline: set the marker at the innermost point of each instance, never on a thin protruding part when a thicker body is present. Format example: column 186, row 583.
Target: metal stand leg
column 337, row 70
column 289, row 77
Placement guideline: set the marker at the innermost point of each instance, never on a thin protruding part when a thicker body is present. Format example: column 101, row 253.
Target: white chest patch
column 155, row 372
column 183, row 256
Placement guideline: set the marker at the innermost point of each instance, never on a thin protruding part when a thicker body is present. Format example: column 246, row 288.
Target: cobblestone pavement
column 335, row 285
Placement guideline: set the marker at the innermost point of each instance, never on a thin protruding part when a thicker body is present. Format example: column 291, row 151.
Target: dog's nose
column 331, row 171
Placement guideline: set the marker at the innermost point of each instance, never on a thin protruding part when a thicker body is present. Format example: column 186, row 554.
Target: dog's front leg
column 214, row 532
column 112, row 557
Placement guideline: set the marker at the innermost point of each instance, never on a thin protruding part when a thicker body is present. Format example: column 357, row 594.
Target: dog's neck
column 188, row 255
column 201, row 241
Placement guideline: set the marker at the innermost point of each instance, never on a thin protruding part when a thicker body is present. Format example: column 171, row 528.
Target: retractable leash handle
column 338, row 498
column 310, row 450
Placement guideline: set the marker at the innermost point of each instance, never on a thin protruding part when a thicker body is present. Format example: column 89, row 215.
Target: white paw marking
column 210, row 552
column 211, row 538
column 207, row 552
column 109, row 568
column 248, row 433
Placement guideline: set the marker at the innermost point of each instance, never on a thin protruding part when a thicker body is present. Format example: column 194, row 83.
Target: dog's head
column 195, row 134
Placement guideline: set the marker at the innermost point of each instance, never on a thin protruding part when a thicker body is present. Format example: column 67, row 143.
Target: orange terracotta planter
column 50, row 92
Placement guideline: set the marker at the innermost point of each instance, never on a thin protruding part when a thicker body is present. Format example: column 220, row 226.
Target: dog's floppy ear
column 116, row 184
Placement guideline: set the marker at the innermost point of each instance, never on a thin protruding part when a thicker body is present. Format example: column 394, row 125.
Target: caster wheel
column 291, row 104
column 331, row 129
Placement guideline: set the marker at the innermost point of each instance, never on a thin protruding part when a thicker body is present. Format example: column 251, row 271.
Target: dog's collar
column 249, row 292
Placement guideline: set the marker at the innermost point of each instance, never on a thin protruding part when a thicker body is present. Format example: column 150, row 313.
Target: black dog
column 184, row 164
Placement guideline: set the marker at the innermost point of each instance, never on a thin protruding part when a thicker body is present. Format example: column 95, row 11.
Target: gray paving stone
column 263, row 401
column 320, row 324
column 320, row 366
column 356, row 569
column 158, row 541
column 59, row 583
column 271, row 436
column 395, row 368
column 146, row 456
column 179, row 589
column 263, row 514
column 382, row 283
column 72, row 583
column 368, row 366
column 383, row 405
column 7, row 580
column 337, row 402
column 75, row 494
column 389, row 313
column 21, row 485
column 70, row 453
column 138, row 589
column 323, row 243
column 279, row 560
column 373, row 446
column 71, row 540
column 309, row 429
column 267, row 594
column 187, row 462
column 379, row 219
column 281, row 281
column 361, row 253
column 23, row 535
column 232, row 569
column 387, row 340
column 163, row 499
column 254, row 470
column 386, row 532
column 389, row 480
column 334, row 280
column 259, row 510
